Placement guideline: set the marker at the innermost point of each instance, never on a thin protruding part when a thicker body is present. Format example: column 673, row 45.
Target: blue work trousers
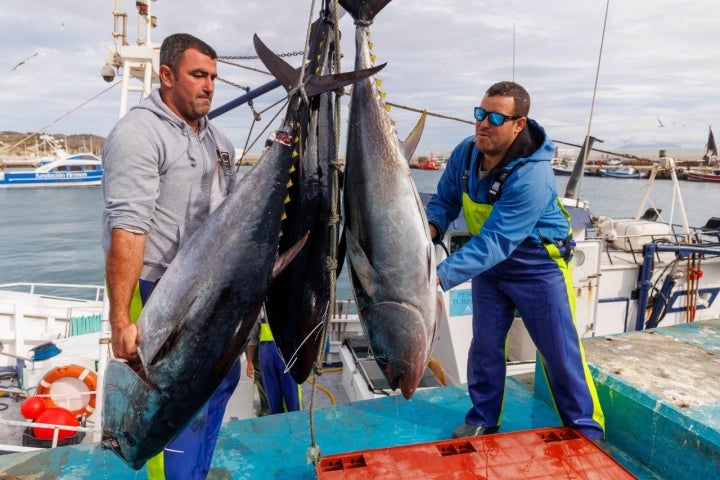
column 281, row 389
column 534, row 282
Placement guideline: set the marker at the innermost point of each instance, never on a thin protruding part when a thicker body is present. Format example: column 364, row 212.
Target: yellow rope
column 314, row 454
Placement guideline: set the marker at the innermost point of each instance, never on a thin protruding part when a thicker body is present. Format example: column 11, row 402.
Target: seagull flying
column 23, row 61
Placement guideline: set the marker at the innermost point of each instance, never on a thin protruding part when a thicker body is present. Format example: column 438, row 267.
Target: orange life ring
column 73, row 371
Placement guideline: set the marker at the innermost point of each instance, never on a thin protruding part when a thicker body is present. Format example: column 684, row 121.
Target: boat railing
column 48, row 443
column 60, row 291
column 32, row 314
column 629, row 236
column 708, row 233
column 344, row 322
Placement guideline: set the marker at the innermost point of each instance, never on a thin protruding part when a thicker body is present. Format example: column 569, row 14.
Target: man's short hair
column 175, row 45
column 512, row 89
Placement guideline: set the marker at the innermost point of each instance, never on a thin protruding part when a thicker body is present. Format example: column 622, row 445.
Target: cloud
column 659, row 59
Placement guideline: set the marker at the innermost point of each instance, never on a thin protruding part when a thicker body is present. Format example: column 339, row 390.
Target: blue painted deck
column 678, row 441
column 276, row 446
column 660, row 393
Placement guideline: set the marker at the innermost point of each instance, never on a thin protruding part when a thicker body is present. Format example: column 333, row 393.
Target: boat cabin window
column 457, row 240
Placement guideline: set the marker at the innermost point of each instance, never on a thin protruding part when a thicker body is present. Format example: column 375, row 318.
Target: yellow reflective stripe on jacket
column 265, row 333
column 476, row 214
column 565, row 214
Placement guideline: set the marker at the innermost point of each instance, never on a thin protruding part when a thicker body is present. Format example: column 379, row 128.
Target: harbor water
column 52, row 235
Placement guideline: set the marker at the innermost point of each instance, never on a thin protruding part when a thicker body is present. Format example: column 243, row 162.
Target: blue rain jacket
column 527, row 207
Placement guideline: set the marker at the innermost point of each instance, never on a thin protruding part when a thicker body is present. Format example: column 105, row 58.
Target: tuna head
column 400, row 342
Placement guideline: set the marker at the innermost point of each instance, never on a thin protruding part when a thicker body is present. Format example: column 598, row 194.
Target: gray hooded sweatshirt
column 157, row 177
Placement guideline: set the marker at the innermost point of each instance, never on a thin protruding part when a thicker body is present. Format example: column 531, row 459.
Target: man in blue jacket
column 518, row 258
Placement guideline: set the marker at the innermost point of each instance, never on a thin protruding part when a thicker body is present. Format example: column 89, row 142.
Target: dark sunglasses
column 496, row 119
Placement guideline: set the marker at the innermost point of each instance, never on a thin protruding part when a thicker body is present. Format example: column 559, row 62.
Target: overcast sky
column 660, row 62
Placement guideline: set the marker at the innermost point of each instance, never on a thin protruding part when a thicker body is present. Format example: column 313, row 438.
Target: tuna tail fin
column 127, row 398
column 364, row 10
column 314, row 84
column 408, row 147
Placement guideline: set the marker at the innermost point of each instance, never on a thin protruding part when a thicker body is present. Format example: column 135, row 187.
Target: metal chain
column 233, row 84
column 255, row 57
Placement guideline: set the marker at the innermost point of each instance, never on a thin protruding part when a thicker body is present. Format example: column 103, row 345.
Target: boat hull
column 55, row 180
column 702, row 177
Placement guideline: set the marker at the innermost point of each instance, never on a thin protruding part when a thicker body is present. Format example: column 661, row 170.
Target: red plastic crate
column 547, row 453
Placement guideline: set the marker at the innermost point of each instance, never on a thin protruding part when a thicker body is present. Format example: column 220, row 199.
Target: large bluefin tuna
column 196, row 323
column 389, row 250
column 298, row 301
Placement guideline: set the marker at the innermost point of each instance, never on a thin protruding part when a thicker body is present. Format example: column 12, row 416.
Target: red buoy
column 55, row 416
column 32, row 407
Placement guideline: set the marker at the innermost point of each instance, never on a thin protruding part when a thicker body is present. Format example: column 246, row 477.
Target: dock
column 658, row 389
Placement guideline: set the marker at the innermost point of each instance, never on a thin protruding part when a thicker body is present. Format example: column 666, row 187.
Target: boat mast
column 140, row 61
column 577, row 174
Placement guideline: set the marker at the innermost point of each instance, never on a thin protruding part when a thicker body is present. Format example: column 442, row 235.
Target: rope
column 257, row 118
column 41, row 129
column 314, row 454
column 693, row 277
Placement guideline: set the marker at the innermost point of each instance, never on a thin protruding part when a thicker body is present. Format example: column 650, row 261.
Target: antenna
column 513, row 54
column 586, row 148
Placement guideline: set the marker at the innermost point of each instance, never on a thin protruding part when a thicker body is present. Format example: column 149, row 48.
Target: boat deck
column 658, row 389
column 660, row 394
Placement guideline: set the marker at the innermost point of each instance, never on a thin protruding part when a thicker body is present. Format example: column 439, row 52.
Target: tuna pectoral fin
column 129, row 403
column 316, row 85
column 361, row 267
column 289, row 77
column 284, row 259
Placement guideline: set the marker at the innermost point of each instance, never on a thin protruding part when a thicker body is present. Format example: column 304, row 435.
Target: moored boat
column 429, row 164
column 621, row 172
column 697, row 176
column 83, row 169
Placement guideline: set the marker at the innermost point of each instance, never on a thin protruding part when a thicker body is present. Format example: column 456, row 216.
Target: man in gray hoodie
column 159, row 164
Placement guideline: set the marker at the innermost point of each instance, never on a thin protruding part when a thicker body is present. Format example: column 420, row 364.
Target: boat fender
column 45, row 351
column 70, row 371
column 607, row 228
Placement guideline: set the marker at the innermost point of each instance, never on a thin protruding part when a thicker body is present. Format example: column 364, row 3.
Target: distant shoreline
column 24, row 145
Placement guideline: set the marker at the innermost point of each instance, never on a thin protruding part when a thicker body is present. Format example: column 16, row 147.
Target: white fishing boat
column 629, row 274
column 54, row 345
column 60, row 169
column 82, row 169
column 47, row 327
column 621, row 172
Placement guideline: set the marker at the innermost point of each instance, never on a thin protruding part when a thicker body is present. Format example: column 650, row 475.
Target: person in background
column 159, row 162
column 518, row 257
column 251, row 353
column 283, row 394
